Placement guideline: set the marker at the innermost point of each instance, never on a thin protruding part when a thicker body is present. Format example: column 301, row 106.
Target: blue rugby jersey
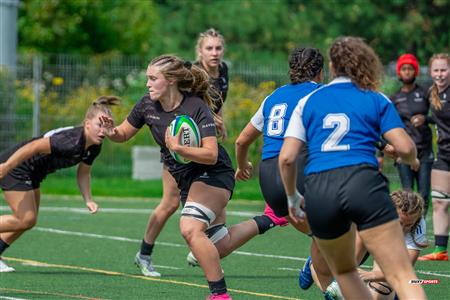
column 341, row 124
column 275, row 112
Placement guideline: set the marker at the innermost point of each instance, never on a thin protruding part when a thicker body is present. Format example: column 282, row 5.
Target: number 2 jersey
column 273, row 115
column 341, row 124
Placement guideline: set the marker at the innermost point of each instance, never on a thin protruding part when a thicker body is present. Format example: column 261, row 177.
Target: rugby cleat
column 305, row 279
column 4, row 268
column 192, row 261
column 219, row 297
column 442, row 256
column 144, row 263
column 334, row 291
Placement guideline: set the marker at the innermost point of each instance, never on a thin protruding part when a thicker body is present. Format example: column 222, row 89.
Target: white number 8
column 341, row 125
column 275, row 126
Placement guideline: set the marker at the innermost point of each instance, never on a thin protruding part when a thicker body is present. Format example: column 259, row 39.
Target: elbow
column 285, row 161
column 406, row 149
column 213, row 159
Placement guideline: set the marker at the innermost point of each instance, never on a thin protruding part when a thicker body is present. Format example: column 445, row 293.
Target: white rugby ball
column 190, row 135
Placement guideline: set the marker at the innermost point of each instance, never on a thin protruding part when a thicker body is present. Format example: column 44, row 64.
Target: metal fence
column 57, row 78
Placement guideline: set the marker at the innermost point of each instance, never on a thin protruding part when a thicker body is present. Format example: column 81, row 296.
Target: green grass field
column 71, row 254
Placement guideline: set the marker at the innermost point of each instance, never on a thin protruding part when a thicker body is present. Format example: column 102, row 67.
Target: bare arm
column 248, row 135
column 39, row 146
column 403, row 145
column 206, row 154
column 119, row 134
column 288, row 169
column 84, row 184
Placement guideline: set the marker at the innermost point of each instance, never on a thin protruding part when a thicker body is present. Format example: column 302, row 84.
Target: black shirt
column 220, row 84
column 442, row 119
column 67, row 149
column 410, row 104
column 150, row 112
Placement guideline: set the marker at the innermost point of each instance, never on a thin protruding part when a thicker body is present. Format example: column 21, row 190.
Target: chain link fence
column 51, row 91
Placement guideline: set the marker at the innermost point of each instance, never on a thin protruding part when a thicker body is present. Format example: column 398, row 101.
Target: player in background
column 440, row 174
column 413, row 106
column 341, row 122
column 206, row 183
column 24, row 166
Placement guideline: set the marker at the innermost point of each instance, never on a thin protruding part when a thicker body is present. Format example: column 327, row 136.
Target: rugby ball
column 190, row 135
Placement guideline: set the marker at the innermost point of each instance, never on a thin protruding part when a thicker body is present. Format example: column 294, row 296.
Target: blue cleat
column 305, row 279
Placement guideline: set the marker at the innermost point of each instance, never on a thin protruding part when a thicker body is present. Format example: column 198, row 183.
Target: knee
column 27, row 222
column 189, row 233
column 167, row 208
column 440, row 206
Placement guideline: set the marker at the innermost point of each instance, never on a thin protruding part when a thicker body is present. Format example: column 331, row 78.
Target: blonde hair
column 101, row 105
column 410, row 203
column 189, row 78
column 211, row 32
column 434, row 93
column 353, row 58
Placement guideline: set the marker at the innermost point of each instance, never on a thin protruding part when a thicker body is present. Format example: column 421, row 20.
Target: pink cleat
column 276, row 220
column 219, row 297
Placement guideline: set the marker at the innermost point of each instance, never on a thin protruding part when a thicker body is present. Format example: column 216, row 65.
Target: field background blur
column 71, row 52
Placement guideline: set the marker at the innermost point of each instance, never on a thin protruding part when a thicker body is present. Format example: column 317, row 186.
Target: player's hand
column 173, row 142
column 295, row 205
column 417, row 120
column 107, row 124
column 244, row 173
column 415, row 165
column 220, row 127
column 390, row 151
column 92, row 206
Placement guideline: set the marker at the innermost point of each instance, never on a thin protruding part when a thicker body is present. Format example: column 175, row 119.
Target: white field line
column 145, row 211
column 124, row 239
column 11, row 298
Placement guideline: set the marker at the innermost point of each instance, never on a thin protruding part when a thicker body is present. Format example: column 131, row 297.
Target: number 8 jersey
column 341, row 124
column 275, row 112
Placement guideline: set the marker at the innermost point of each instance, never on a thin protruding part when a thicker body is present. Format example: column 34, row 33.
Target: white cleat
column 334, row 291
column 144, row 263
column 192, row 261
column 4, row 268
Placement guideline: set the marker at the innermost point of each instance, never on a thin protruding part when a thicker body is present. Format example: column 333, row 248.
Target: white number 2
column 341, row 125
column 275, row 126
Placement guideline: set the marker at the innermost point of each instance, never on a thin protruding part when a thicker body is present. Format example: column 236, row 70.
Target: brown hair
column 305, row 64
column 211, row 32
column 352, row 57
column 101, row 105
column 410, row 203
column 189, row 78
column 434, row 93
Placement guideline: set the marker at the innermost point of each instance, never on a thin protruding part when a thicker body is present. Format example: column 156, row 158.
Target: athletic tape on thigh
column 384, row 290
column 216, row 232
column 440, row 195
column 199, row 212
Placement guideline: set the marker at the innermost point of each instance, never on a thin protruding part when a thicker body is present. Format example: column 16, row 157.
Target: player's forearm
column 40, row 146
column 84, row 185
column 201, row 155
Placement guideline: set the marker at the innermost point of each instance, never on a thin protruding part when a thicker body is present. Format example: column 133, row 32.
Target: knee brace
column 438, row 195
column 380, row 287
column 216, row 232
column 199, row 212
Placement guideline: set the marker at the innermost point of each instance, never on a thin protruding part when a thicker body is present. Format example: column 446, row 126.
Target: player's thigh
column 214, row 198
column 440, row 180
column 22, row 202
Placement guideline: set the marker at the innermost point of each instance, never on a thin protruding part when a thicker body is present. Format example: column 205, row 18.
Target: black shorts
column 221, row 176
column 11, row 183
column 272, row 186
column 336, row 198
column 441, row 163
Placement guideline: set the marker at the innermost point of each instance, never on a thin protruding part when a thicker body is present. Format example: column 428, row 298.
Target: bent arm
column 123, row 132
column 39, row 146
column 206, row 154
column 84, row 184
column 247, row 137
column 403, row 145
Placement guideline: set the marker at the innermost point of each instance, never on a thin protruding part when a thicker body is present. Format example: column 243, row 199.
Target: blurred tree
column 86, row 26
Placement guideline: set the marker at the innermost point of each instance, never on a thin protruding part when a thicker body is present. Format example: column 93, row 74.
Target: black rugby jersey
column 442, row 119
column 67, row 150
column 410, row 104
column 220, row 84
column 150, row 112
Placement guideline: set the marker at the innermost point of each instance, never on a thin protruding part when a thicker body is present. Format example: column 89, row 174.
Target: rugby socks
column 146, row 249
column 3, row 246
column 264, row 223
column 218, row 287
column 441, row 242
